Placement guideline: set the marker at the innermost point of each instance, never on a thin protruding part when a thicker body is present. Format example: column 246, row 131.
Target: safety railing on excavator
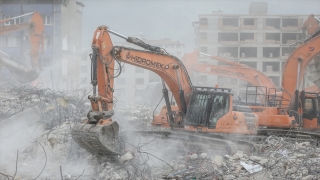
column 258, row 96
column 275, row 98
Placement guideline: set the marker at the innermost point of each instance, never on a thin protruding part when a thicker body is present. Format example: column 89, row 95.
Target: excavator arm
column 168, row 67
column 296, row 66
column 36, row 39
column 99, row 134
column 232, row 70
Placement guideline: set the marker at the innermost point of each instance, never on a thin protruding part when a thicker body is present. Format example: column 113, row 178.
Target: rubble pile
column 137, row 117
column 54, row 107
column 279, row 159
column 54, row 155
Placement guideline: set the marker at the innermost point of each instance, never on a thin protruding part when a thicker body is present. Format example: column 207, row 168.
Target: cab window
column 308, row 107
column 220, row 106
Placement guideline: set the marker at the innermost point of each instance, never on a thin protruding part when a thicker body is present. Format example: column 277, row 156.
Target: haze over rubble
column 172, row 19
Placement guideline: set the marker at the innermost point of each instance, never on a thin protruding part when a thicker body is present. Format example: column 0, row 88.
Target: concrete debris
column 193, row 156
column 126, row 157
column 251, row 168
column 204, row 155
column 146, row 157
column 218, row 161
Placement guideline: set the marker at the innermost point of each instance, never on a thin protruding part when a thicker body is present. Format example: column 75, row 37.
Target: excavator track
column 100, row 140
column 103, row 141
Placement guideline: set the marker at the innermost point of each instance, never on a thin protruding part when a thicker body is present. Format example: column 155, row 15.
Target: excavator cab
column 311, row 110
column 207, row 106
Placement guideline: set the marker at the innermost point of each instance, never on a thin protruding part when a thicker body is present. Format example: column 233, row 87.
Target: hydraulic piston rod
column 137, row 42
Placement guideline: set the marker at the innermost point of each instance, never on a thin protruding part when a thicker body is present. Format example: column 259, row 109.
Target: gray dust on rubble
column 47, row 150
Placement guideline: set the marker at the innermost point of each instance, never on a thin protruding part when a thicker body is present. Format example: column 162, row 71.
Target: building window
column 139, row 70
column 47, row 20
column 234, row 22
column 203, row 35
column 47, row 42
column 8, row 22
column 84, row 69
column 121, row 80
column 203, row 21
column 9, row 41
column 139, row 81
column 79, row 8
column 230, row 37
column 248, row 52
column 15, row 21
column 12, row 21
column 248, row 21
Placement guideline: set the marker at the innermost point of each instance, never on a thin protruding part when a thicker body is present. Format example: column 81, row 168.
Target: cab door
column 220, row 106
column 310, row 109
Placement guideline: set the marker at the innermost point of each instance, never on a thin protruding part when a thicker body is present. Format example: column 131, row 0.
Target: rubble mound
column 52, row 154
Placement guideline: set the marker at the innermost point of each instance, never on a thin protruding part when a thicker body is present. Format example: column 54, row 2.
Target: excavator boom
column 99, row 126
column 232, row 70
column 36, row 39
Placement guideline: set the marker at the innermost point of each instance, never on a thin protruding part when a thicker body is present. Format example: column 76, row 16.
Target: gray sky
column 159, row 19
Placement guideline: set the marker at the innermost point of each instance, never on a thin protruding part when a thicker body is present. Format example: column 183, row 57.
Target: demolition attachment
column 98, row 134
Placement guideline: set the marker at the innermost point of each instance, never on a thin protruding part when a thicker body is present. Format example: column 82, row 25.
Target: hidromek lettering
column 230, row 73
column 147, row 62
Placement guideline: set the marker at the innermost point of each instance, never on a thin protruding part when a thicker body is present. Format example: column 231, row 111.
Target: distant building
column 257, row 39
column 131, row 84
column 62, row 41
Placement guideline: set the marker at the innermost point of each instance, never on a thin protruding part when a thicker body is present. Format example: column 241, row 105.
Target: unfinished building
column 257, row 39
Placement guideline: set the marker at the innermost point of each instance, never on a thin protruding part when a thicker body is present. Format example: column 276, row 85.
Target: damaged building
column 259, row 39
column 62, row 39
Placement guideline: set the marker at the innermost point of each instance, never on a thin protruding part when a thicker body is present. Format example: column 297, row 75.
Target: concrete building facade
column 62, row 38
column 257, row 39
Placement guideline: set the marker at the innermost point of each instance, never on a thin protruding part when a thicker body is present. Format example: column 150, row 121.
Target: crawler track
column 215, row 142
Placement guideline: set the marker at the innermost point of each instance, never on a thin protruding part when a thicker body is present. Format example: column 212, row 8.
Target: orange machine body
column 268, row 116
column 293, row 72
column 232, row 121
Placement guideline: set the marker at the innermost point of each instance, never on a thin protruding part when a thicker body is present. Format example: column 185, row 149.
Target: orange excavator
column 35, row 26
column 276, row 109
column 264, row 101
column 231, row 69
column 258, row 79
column 235, row 70
column 303, row 105
column 202, row 109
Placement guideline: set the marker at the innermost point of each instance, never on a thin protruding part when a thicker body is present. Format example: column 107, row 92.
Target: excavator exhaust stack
column 100, row 140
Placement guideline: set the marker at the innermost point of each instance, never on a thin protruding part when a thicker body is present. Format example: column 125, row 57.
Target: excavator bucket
column 25, row 76
column 100, row 140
